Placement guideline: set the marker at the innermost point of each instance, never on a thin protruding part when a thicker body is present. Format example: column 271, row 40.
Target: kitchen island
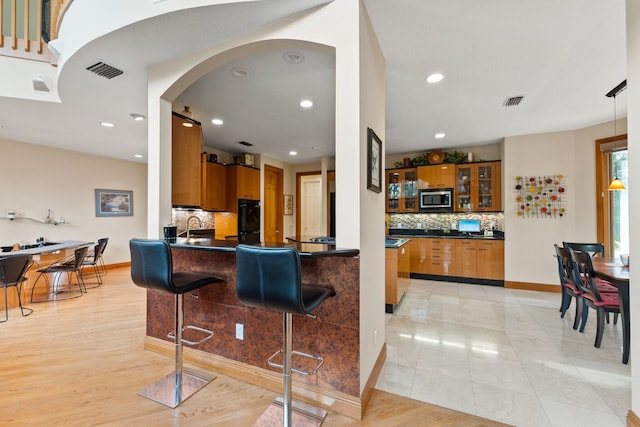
column 245, row 337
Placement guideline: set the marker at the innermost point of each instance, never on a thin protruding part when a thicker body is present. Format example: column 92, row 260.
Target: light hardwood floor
column 81, row 362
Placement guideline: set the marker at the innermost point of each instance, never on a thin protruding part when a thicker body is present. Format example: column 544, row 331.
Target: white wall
column 633, row 141
column 38, row 178
column 529, row 242
column 372, row 205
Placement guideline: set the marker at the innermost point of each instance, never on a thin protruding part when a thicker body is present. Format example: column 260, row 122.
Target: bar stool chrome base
column 303, row 415
column 164, row 390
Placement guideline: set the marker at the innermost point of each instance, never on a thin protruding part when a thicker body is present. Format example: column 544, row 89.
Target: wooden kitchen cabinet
column 419, row 255
column 480, row 258
column 186, row 172
column 457, row 258
column 214, row 186
column 397, row 275
column 490, row 259
column 466, row 258
column 442, row 257
column 433, row 256
column 437, row 176
column 478, row 187
column 243, row 182
column 402, row 190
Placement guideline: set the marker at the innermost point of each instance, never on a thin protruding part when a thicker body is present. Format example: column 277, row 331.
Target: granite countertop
column 440, row 233
column 307, row 250
column 48, row 247
column 395, row 242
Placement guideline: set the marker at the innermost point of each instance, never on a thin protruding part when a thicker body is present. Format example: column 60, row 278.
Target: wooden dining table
column 612, row 270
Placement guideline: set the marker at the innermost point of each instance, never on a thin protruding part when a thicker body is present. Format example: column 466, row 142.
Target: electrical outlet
column 239, row 331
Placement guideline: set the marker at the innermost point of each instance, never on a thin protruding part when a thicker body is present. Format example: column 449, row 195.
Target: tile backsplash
column 179, row 218
column 444, row 220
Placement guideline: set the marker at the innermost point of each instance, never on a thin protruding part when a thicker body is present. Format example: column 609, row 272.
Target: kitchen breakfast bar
column 245, row 337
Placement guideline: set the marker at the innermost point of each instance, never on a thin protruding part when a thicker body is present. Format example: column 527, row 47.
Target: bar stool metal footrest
column 166, row 391
column 318, row 359
column 207, row 335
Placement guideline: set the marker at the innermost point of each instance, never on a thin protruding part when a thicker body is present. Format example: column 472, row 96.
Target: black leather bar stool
column 152, row 268
column 269, row 278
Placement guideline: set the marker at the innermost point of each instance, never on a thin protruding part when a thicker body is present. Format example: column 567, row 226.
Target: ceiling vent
column 105, row 70
column 513, row 101
column 245, row 143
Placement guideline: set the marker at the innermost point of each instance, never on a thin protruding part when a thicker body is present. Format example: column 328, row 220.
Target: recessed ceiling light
column 439, row 135
column 293, row 57
column 306, row 103
column 434, row 78
column 107, row 124
column 137, row 117
column 187, row 124
column 293, row 153
column 239, row 72
column 217, row 122
column 138, row 156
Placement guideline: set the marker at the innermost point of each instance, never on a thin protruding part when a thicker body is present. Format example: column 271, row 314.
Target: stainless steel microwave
column 436, row 200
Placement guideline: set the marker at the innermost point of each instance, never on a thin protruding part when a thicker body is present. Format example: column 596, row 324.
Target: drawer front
column 441, row 267
column 447, row 246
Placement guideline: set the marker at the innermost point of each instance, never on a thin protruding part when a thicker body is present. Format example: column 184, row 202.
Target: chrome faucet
column 188, row 220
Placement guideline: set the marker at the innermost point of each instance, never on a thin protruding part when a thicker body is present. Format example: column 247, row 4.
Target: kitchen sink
column 199, row 241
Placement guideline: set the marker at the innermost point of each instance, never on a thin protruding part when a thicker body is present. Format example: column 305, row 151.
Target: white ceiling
column 562, row 55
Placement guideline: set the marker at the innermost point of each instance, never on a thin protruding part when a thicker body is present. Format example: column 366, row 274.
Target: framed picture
column 374, row 161
column 288, row 204
column 114, row 202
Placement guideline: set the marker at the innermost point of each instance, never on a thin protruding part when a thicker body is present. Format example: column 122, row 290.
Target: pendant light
column 616, row 184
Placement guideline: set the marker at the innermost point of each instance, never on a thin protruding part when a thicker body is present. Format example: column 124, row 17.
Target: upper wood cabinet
column 478, row 187
column 186, row 172
column 402, row 190
column 214, row 186
column 437, row 176
column 243, row 182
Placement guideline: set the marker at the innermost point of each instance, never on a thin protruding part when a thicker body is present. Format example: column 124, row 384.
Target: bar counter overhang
column 333, row 334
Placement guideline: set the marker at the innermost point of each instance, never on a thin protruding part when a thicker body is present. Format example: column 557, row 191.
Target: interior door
column 273, row 204
column 311, row 193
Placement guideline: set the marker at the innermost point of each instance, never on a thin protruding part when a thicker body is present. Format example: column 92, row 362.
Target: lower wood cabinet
column 463, row 258
column 433, row 256
column 397, row 275
column 466, row 255
column 490, row 259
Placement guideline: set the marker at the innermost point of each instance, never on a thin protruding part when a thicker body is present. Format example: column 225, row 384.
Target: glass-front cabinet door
column 410, row 190
column 478, row 187
column 485, row 187
column 393, row 190
column 402, row 190
column 464, row 187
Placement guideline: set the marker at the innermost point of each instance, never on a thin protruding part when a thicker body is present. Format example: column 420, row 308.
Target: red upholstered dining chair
column 569, row 288
column 602, row 302
column 595, row 250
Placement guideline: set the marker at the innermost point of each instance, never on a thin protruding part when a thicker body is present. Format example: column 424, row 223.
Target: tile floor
column 505, row 355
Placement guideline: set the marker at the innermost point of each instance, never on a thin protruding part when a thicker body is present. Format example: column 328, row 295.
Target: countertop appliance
column 248, row 221
column 436, row 200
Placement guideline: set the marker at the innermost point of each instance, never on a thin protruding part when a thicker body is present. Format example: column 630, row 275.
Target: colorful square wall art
column 540, row 196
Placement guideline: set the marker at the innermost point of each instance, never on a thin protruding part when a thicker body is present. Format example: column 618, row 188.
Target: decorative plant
column 420, row 160
column 455, row 157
